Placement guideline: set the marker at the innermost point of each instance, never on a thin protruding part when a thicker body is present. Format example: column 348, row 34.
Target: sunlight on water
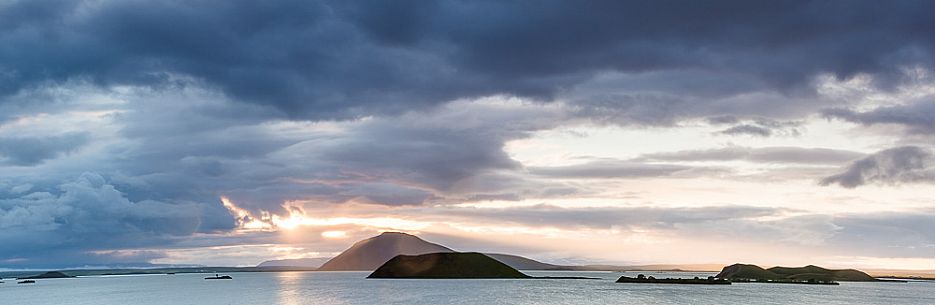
column 287, row 294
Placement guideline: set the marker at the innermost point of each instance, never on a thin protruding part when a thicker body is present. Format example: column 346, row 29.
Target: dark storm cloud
column 27, row 151
column 905, row 164
column 669, row 97
column 179, row 147
column 437, row 157
column 765, row 155
column 84, row 215
column 918, row 118
column 453, row 151
column 323, row 59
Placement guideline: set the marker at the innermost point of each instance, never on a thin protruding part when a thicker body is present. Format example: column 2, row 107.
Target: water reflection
column 301, row 288
column 288, row 288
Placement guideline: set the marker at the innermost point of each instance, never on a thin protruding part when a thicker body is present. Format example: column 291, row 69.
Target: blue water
column 291, row 288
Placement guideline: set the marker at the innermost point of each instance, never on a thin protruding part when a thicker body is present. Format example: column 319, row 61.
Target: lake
column 293, row 288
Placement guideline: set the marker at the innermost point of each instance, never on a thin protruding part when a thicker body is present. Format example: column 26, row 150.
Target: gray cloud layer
column 918, row 118
column 84, row 215
column 766, row 155
column 609, row 169
column 26, row 151
column 891, row 166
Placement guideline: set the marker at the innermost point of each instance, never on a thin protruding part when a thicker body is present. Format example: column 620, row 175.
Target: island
column 642, row 279
column 219, row 277
column 47, row 275
column 797, row 275
column 446, row 265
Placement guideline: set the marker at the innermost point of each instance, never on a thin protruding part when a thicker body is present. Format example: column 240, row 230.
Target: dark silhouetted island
column 467, row 265
column 801, row 275
column 26, row 282
column 47, row 275
column 642, row 279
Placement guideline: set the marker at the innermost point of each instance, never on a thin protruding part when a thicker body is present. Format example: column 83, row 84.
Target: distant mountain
column 523, row 263
column 669, row 267
column 901, row 273
column 369, row 254
column 446, row 265
column 810, row 272
column 47, row 275
column 666, row 267
column 313, row 262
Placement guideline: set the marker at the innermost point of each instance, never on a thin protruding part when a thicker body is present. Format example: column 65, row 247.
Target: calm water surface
column 292, row 288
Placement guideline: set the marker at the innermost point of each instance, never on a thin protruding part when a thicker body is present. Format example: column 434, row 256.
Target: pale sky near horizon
column 135, row 133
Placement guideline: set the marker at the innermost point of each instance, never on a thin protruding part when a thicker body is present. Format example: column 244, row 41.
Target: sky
column 141, row 133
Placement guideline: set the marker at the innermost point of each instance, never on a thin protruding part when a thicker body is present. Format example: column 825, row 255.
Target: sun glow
column 287, row 223
column 334, row 234
column 245, row 219
column 266, row 221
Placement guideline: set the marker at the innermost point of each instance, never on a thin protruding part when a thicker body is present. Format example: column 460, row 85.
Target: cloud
column 49, row 227
column 758, row 127
column 607, row 217
column 335, row 59
column 751, row 130
column 918, row 117
column 609, row 169
column 792, row 155
column 29, row 151
column 671, row 97
column 895, row 234
column 191, row 144
column 892, row 166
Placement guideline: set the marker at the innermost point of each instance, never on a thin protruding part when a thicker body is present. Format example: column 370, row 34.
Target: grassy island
column 445, row 266
column 798, row 275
